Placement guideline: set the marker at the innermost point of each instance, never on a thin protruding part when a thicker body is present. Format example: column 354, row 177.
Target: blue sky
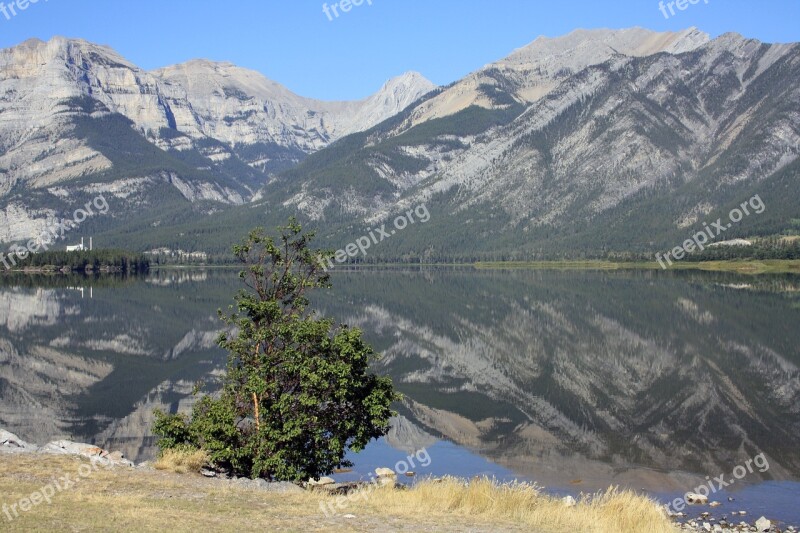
column 293, row 42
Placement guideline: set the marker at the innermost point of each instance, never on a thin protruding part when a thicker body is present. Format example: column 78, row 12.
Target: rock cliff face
column 71, row 109
column 599, row 139
column 241, row 107
column 531, row 72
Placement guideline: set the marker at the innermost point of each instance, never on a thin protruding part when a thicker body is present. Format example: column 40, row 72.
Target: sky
column 348, row 55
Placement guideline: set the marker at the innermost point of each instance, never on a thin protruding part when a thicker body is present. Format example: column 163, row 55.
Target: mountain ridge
column 598, row 140
column 74, row 111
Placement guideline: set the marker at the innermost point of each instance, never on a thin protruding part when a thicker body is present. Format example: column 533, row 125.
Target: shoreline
column 327, row 500
column 747, row 266
column 740, row 266
column 743, row 266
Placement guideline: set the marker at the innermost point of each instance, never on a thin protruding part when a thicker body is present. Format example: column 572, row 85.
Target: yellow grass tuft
column 523, row 505
column 181, row 461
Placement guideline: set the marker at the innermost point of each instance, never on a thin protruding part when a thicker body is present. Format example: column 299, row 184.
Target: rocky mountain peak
column 64, row 50
column 395, row 95
column 408, row 80
column 581, row 48
column 531, row 72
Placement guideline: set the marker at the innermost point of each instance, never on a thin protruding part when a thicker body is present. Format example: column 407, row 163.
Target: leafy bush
column 297, row 394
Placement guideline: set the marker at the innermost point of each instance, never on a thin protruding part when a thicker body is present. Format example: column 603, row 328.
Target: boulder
column 385, row 472
column 762, row 524
column 67, row 447
column 11, row 443
column 321, row 482
column 696, row 499
column 95, row 453
column 113, row 456
column 384, row 481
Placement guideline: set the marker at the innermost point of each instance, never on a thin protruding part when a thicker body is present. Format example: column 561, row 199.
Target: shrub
column 297, row 394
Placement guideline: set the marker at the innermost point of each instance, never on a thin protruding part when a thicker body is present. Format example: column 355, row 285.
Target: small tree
column 297, row 393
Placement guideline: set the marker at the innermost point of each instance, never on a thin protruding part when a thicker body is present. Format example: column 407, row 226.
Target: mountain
column 246, row 111
column 599, row 140
column 79, row 119
column 531, row 72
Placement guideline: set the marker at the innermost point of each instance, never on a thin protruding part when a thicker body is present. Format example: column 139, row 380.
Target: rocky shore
column 10, row 443
column 705, row 522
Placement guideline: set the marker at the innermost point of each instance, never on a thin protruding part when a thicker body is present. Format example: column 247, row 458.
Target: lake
column 654, row 381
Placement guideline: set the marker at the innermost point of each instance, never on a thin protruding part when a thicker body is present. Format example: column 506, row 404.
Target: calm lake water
column 576, row 380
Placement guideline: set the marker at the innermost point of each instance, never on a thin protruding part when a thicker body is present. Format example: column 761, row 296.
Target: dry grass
column 524, row 505
column 149, row 500
column 181, row 461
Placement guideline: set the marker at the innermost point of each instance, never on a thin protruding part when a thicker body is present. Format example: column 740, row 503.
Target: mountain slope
column 628, row 154
column 532, row 71
column 243, row 109
column 599, row 141
column 77, row 120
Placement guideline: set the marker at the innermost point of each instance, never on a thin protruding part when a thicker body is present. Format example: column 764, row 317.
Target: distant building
column 80, row 247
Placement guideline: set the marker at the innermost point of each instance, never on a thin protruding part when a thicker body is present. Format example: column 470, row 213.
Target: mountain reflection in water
column 643, row 379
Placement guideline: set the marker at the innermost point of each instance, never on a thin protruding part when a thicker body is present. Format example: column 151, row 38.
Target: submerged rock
column 385, row 472
column 696, row 499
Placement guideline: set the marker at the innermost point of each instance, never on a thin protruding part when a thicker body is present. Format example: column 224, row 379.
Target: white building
column 80, row 247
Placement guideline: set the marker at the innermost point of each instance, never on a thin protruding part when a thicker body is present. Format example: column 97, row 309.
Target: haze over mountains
column 598, row 140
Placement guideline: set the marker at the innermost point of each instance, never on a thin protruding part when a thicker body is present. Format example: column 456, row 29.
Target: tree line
column 117, row 260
